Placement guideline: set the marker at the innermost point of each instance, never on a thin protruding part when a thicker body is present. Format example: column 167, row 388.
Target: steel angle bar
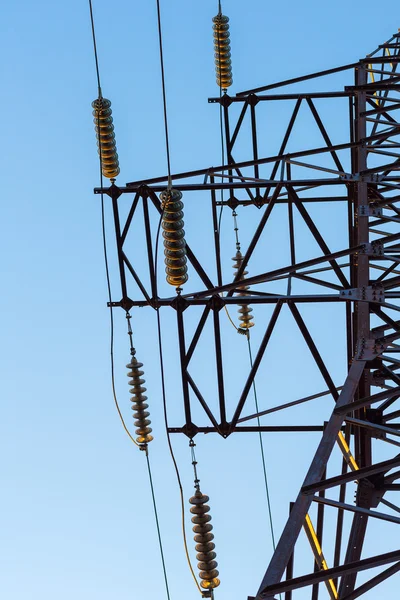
column 368, row 585
column 390, row 373
column 239, row 123
column 302, row 505
column 340, row 513
column 217, row 244
column 332, row 573
column 390, row 505
column 220, row 370
column 320, row 561
column 317, row 168
column 264, row 277
column 357, row 509
column 182, row 352
column 351, row 406
column 197, row 334
column 136, row 278
column 203, row 403
column 152, row 183
column 201, row 186
column 285, row 138
column 374, row 150
column 256, row 237
column 380, row 110
column 313, row 349
column 317, row 236
column 253, row 429
column 274, row 97
column 372, row 426
column 392, row 477
column 118, row 239
column 352, row 476
column 316, row 281
column 380, row 121
column 256, row 364
column 324, row 133
column 286, row 405
column 130, row 217
column 272, row 86
column 149, row 244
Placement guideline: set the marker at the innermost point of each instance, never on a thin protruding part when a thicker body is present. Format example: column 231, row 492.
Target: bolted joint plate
column 368, row 293
column 369, row 349
column 373, row 249
column 369, row 210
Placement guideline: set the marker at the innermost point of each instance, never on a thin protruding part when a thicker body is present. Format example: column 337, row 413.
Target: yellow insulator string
column 222, row 137
column 206, row 555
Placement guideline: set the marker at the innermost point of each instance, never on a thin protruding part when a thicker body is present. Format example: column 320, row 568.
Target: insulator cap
column 222, row 49
column 138, row 400
column 202, row 528
column 174, row 237
column 245, row 316
column 106, row 145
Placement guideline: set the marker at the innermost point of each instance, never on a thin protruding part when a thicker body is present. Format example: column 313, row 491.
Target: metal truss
column 361, row 174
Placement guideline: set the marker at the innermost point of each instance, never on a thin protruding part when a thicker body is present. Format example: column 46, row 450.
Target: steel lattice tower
column 362, row 175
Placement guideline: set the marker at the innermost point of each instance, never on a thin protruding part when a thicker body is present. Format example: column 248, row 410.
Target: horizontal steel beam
column 256, row 429
column 300, row 96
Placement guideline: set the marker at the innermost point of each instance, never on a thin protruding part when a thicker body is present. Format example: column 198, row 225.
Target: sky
column 76, row 512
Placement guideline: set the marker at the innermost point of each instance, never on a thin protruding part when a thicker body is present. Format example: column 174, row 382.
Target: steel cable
column 112, row 328
column 160, row 346
column 164, row 399
column 163, row 92
column 157, row 524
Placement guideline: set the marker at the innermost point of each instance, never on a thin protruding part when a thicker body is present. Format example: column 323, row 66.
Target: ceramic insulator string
column 174, row 237
column 245, row 316
column 106, row 145
column 222, row 51
column 138, row 400
column 203, row 536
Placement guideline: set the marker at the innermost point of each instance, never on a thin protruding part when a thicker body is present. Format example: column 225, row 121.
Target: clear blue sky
column 75, row 508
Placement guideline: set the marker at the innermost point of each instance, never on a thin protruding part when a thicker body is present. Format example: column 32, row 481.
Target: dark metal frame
column 368, row 283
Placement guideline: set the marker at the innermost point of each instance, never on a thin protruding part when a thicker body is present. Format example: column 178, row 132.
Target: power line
column 262, row 448
column 164, row 400
column 157, row 524
column 163, row 92
column 160, row 39
column 95, row 46
column 112, row 322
